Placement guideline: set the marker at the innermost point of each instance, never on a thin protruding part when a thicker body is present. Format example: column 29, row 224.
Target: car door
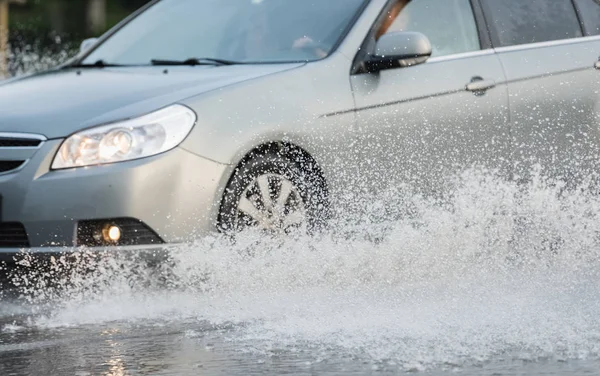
column 425, row 123
column 553, row 86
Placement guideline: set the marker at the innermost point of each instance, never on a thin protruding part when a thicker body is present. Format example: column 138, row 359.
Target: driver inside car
column 392, row 15
column 260, row 41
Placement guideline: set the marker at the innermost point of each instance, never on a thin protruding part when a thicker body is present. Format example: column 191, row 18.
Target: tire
column 283, row 171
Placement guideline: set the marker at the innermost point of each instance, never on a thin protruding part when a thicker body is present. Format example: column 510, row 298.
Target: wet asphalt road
column 197, row 348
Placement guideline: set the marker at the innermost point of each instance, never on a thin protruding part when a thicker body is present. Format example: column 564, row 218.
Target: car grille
column 17, row 148
column 13, row 235
column 6, row 142
column 6, row 166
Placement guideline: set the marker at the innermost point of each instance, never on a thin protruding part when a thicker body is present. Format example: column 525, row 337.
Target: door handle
column 479, row 86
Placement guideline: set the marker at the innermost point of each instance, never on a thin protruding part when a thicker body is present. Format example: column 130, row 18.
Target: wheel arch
column 289, row 151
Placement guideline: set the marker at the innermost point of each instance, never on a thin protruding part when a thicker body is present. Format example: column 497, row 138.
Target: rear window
column 589, row 11
column 515, row 22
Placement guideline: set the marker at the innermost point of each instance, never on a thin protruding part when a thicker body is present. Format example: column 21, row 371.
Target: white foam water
column 496, row 272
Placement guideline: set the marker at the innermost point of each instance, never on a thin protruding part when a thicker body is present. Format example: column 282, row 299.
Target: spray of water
column 496, row 271
column 43, row 54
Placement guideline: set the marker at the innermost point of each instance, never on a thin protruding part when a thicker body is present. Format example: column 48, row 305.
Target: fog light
column 114, row 232
column 111, row 234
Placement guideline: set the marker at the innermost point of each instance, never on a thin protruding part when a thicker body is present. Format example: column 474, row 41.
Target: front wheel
column 276, row 194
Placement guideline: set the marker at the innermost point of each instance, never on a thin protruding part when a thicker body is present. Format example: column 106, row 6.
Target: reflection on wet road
column 192, row 347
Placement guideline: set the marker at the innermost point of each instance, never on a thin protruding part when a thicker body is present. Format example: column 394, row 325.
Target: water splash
column 494, row 271
column 42, row 54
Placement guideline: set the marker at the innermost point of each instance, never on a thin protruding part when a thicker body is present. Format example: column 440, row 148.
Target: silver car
column 196, row 116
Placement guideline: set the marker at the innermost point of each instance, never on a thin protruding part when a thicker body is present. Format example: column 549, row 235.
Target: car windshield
column 245, row 31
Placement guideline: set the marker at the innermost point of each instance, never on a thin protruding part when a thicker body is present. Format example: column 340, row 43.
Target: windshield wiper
column 194, row 61
column 97, row 64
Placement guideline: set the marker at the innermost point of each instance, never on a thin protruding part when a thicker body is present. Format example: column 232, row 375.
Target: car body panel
column 554, row 94
column 69, row 100
column 419, row 124
column 163, row 190
column 234, row 120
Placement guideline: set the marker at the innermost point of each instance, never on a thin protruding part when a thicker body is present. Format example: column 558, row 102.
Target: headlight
column 141, row 137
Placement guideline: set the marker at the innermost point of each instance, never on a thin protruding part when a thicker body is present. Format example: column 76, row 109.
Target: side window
column 514, row 22
column 589, row 11
column 449, row 24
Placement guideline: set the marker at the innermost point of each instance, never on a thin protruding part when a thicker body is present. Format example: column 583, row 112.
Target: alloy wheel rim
column 271, row 203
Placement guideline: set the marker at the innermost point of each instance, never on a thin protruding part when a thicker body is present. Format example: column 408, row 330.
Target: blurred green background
column 55, row 28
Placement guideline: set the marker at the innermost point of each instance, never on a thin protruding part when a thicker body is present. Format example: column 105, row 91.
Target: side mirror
column 87, row 44
column 399, row 49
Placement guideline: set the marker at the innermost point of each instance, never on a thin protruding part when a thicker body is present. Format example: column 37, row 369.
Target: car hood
column 59, row 103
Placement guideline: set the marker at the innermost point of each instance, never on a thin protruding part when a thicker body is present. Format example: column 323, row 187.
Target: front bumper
column 176, row 194
column 145, row 252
